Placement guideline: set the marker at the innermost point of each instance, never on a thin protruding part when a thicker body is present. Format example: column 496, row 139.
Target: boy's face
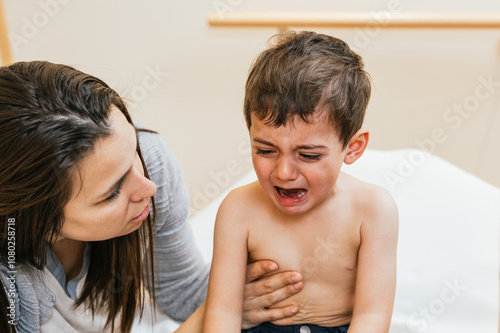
column 297, row 164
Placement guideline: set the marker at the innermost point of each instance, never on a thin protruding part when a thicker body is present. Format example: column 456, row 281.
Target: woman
column 78, row 243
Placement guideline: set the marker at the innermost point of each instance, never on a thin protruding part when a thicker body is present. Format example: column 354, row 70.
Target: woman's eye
column 264, row 151
column 311, row 157
column 115, row 194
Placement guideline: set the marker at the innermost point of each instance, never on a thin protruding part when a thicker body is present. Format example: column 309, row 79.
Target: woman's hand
column 265, row 292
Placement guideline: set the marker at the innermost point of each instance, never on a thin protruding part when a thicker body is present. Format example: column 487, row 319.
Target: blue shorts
column 301, row 328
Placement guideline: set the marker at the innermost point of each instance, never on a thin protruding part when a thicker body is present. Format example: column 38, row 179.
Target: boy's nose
column 285, row 169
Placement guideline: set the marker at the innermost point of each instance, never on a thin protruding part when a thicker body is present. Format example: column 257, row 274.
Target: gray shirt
column 182, row 275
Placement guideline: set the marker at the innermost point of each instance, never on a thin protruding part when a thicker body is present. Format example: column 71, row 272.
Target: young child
column 305, row 101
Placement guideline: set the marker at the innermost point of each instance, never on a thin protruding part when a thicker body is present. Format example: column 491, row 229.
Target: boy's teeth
column 293, row 193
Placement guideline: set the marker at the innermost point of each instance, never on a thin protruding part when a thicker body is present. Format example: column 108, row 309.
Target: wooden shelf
column 4, row 39
column 388, row 20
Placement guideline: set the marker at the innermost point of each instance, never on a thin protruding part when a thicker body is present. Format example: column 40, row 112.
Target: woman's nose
column 145, row 188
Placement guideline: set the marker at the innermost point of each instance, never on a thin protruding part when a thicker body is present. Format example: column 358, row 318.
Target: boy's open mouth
column 293, row 193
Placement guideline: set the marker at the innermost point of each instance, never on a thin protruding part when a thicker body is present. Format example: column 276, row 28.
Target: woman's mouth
column 142, row 216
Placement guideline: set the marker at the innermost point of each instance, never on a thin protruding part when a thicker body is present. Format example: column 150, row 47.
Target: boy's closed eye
column 311, row 157
column 264, row 151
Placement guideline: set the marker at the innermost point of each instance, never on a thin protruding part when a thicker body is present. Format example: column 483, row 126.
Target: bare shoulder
column 243, row 195
column 241, row 202
column 374, row 203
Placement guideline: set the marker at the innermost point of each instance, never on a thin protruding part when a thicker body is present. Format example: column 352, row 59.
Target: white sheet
column 448, row 253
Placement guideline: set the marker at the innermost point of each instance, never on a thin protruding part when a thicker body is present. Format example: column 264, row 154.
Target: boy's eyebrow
column 311, row 146
column 263, row 142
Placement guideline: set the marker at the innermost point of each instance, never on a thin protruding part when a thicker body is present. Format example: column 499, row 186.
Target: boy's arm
column 376, row 274
column 226, row 285
column 194, row 323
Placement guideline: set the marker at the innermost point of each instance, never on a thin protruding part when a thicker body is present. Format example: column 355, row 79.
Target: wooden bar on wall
column 381, row 19
column 4, row 38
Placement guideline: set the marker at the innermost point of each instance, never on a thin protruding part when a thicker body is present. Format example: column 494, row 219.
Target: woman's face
column 111, row 196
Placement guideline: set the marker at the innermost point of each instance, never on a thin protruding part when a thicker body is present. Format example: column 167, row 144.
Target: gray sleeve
column 33, row 300
column 182, row 275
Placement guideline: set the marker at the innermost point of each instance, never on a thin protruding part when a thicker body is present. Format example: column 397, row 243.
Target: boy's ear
column 357, row 146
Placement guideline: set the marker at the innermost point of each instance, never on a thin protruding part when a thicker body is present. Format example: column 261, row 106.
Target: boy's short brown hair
column 304, row 72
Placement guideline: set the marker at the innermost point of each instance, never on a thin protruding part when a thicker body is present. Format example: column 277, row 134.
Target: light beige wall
column 185, row 79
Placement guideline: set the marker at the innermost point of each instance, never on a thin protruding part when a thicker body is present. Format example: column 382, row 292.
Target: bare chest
column 320, row 250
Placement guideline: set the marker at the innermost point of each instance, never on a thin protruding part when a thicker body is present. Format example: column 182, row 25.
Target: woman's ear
column 357, row 146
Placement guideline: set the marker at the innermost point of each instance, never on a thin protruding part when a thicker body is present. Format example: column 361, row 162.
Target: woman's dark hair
column 303, row 73
column 51, row 117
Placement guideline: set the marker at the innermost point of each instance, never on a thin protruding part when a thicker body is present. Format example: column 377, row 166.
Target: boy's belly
column 320, row 304
column 328, row 269
column 324, row 253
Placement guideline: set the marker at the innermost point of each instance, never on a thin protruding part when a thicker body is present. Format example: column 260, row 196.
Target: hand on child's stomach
column 326, row 297
column 320, row 304
column 263, row 293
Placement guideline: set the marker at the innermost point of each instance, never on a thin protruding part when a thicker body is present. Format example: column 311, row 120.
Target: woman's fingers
column 275, row 288
column 257, row 269
column 251, row 319
column 264, row 292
